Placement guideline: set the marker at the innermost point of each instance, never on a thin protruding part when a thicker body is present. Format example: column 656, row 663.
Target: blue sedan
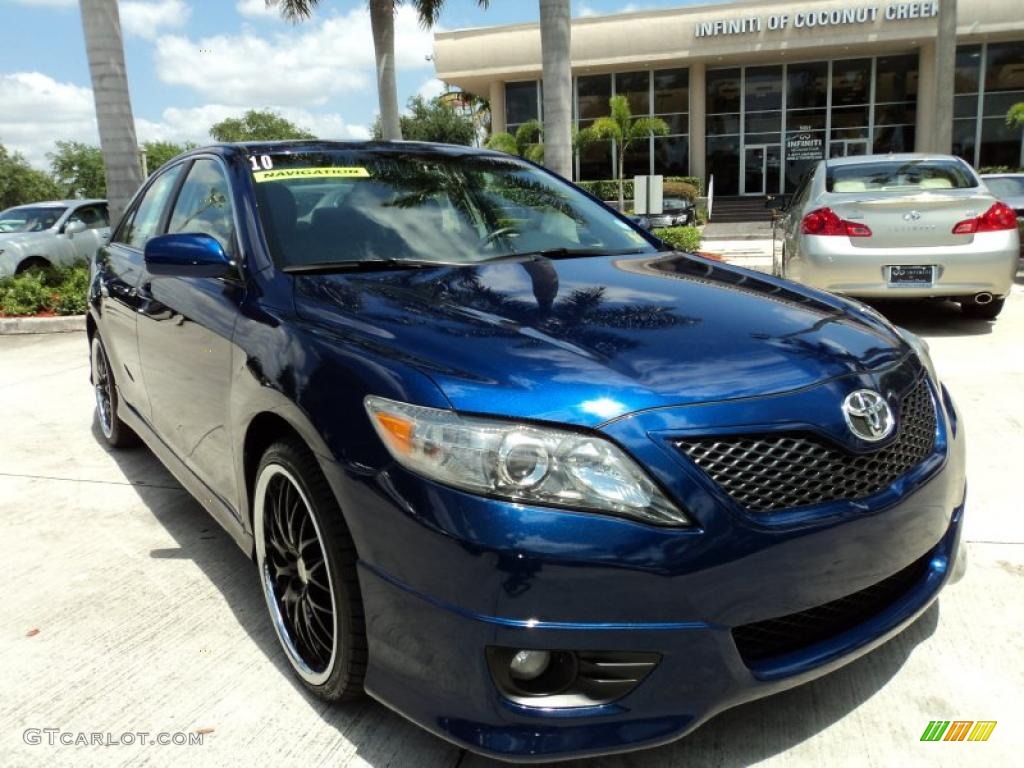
column 506, row 462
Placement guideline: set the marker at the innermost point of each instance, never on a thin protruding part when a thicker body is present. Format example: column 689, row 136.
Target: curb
column 26, row 325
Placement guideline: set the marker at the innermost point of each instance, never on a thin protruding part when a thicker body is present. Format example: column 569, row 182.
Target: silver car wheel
column 293, row 570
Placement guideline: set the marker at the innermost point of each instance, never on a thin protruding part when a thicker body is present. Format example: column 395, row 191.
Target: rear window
column 899, row 176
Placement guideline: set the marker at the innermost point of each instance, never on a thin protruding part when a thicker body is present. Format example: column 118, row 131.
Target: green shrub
column 680, row 238
column 64, row 290
column 1000, row 169
column 26, row 294
column 73, row 291
column 674, row 186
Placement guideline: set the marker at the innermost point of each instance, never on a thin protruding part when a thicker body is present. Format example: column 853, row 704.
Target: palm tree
column 382, row 23
column 555, row 41
column 101, row 25
column 527, row 141
column 621, row 127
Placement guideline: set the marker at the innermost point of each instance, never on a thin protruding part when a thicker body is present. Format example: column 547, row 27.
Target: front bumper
column 444, row 575
column 987, row 264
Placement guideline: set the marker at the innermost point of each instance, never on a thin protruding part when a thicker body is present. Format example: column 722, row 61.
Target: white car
column 57, row 233
column 901, row 226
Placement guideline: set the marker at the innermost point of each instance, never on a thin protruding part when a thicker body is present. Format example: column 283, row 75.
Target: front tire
column 307, row 568
column 116, row 433
column 977, row 311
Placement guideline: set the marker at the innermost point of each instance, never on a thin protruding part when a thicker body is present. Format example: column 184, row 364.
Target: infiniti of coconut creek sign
column 830, row 17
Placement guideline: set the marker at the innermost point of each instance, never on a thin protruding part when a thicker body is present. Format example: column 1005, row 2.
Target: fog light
column 529, row 665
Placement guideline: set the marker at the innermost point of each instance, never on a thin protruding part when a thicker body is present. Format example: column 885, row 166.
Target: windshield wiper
column 368, row 265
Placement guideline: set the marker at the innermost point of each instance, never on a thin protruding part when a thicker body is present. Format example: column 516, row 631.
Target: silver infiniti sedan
column 900, row 226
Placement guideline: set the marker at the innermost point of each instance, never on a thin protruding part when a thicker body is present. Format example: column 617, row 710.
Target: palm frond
column 620, row 111
column 293, row 10
column 643, row 127
column 606, row 128
column 1015, row 117
column 429, row 11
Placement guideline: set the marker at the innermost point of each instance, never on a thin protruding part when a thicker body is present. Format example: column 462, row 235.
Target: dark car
column 504, row 461
column 675, row 212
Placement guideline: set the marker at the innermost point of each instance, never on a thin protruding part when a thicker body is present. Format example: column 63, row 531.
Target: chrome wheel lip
column 101, row 385
column 299, row 664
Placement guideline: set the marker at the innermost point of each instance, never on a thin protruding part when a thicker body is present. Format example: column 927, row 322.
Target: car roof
column 233, row 149
column 57, row 203
column 859, row 159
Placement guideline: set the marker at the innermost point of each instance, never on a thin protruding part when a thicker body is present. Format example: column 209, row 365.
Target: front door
column 185, row 338
column 762, row 169
column 755, row 171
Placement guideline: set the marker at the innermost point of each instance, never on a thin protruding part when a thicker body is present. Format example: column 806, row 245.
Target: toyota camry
column 506, row 462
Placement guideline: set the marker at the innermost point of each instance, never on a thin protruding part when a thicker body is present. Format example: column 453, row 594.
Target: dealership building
column 754, row 92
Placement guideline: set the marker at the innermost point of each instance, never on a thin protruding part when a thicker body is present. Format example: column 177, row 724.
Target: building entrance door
column 762, row 166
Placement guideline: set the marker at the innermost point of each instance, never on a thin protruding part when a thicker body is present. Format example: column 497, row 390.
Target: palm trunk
column 102, row 27
column 382, row 22
column 555, row 41
column 622, row 183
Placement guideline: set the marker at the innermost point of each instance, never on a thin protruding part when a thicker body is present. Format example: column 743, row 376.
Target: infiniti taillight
column 825, row 221
column 1000, row 216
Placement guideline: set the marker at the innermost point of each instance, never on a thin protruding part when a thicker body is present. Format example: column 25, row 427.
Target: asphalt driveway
column 127, row 610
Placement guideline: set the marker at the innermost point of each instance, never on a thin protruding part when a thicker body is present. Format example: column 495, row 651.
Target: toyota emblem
column 868, row 415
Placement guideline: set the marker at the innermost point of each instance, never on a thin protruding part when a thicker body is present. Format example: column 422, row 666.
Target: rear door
column 185, row 337
column 119, row 267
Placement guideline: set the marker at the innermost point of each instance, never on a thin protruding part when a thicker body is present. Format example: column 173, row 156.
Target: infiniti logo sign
column 911, row 215
column 868, row 415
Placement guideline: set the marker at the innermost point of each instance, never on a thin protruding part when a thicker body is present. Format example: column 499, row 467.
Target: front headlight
column 920, row 347
column 519, row 462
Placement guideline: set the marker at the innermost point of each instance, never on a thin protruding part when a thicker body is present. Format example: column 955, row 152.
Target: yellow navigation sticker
column 282, row 174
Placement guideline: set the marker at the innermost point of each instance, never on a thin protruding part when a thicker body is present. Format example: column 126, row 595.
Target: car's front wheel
column 307, row 568
column 115, row 432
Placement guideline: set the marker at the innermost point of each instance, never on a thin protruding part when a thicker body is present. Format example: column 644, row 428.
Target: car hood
column 586, row 340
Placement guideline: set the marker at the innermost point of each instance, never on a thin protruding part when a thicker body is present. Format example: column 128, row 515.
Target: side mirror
column 187, row 255
column 73, row 228
column 775, row 202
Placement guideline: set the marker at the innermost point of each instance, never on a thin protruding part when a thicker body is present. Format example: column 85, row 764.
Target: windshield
column 404, row 206
column 1006, row 186
column 29, row 219
column 899, row 175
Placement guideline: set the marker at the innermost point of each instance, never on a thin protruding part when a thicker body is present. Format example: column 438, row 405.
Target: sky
column 192, row 63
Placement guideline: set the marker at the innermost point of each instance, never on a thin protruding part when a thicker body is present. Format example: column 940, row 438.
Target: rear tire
column 976, row 311
column 307, row 568
column 36, row 263
column 116, row 433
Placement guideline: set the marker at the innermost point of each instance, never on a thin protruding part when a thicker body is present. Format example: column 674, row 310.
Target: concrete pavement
column 127, row 609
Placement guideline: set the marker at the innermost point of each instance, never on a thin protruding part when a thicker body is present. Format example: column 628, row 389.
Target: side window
column 204, row 205
column 143, row 222
column 93, row 216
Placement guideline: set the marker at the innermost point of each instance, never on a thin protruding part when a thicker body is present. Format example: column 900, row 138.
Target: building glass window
column 989, row 80
column 521, row 104
column 896, row 78
column 807, row 85
column 762, row 88
column 662, row 93
column 723, row 90
column 851, row 82
column 895, row 103
column 636, row 87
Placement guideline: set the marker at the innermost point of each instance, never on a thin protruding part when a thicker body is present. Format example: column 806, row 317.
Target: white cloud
column 586, row 11
column 255, row 9
column 38, row 110
column 147, row 19
column 431, row 88
column 306, row 65
column 50, row 3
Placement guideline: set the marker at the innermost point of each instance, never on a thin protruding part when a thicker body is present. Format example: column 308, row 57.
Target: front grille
column 768, row 472
column 785, row 634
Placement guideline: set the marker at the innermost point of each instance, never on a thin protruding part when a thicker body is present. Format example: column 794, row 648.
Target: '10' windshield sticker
column 310, row 173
